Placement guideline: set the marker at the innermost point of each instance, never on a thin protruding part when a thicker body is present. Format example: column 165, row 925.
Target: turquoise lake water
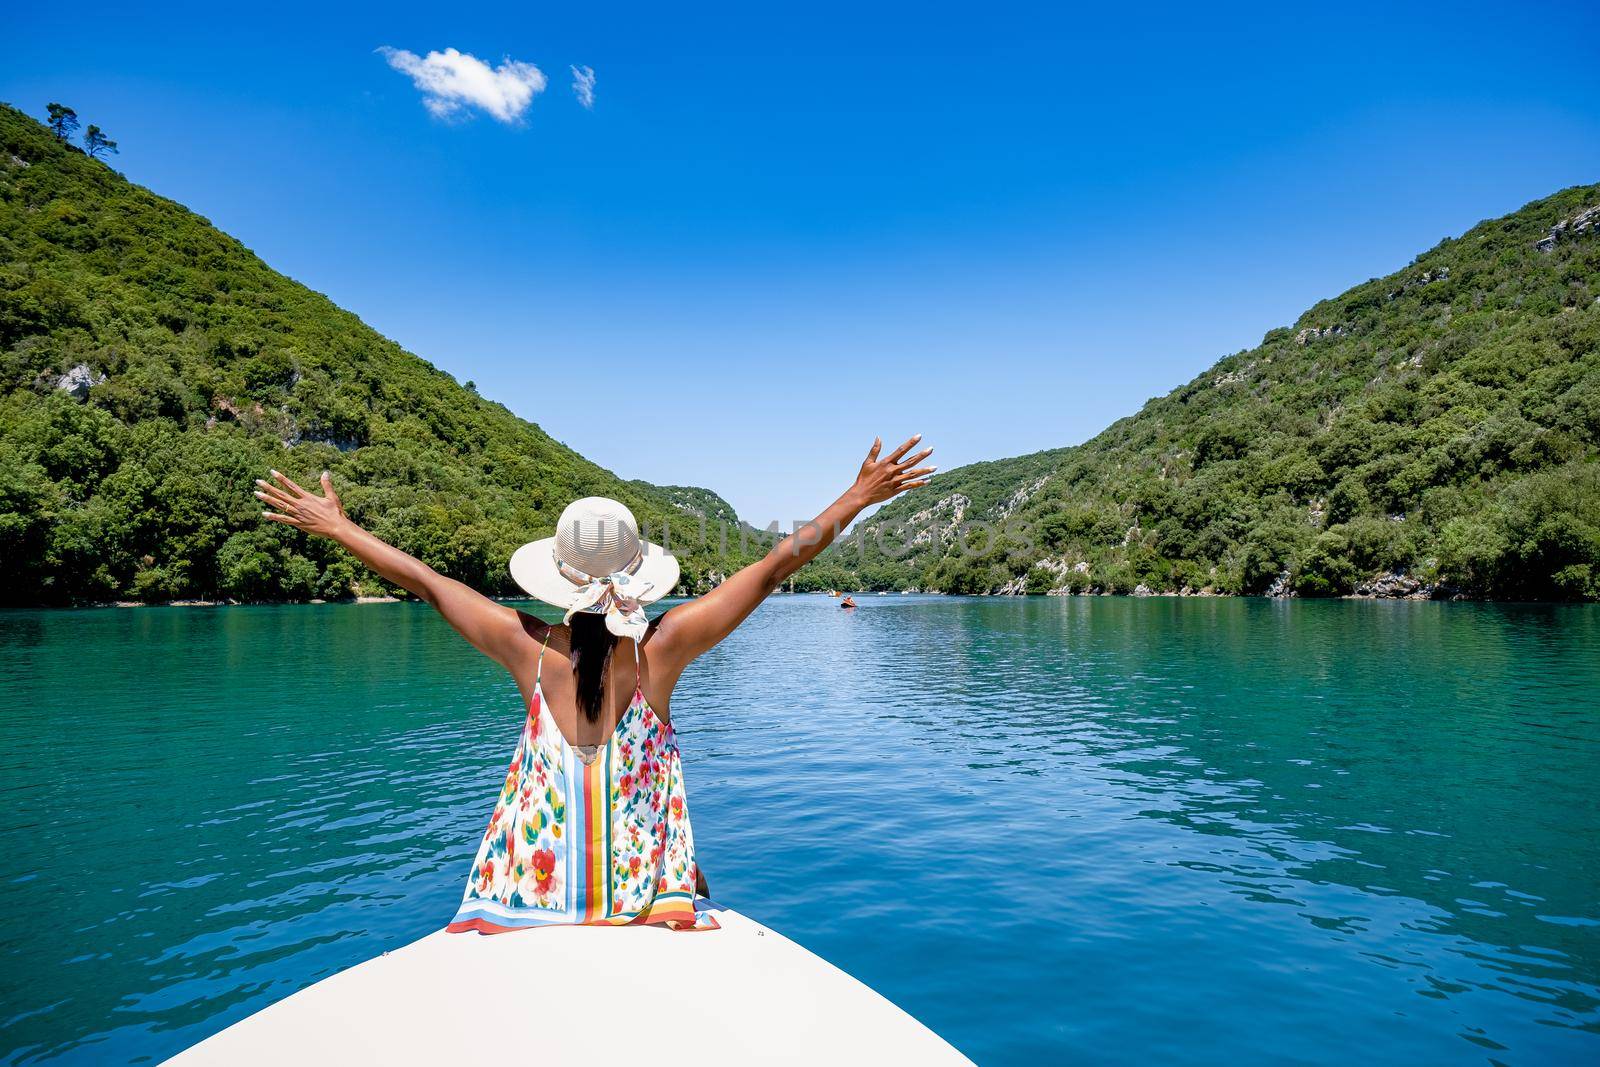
column 1085, row 830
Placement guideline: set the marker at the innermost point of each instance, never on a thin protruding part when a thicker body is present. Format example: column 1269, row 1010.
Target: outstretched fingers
column 268, row 493
column 894, row 457
column 912, row 461
column 289, row 485
column 276, row 490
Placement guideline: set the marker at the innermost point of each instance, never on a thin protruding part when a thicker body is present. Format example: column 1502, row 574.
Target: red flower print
column 677, row 807
column 633, row 865
column 544, row 868
column 627, row 785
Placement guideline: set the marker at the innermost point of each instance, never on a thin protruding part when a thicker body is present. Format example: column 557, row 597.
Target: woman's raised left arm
column 690, row 629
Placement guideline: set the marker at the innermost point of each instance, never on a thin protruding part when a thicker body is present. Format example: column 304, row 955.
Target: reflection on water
column 1185, row 831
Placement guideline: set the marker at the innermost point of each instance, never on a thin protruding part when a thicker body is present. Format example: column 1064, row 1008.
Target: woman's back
column 581, row 839
column 560, row 688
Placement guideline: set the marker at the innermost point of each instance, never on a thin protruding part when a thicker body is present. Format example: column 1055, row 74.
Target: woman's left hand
column 881, row 479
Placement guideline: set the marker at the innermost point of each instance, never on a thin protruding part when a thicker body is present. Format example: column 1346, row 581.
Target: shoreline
column 1453, row 598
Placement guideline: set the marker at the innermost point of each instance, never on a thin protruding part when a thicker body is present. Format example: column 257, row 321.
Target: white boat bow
column 740, row 995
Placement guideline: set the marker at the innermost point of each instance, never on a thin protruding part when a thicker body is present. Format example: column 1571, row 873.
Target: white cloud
column 452, row 82
column 583, row 85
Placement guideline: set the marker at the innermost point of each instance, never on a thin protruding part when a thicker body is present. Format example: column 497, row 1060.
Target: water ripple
column 1189, row 832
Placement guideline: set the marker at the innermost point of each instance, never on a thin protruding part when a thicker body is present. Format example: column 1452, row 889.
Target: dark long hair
column 592, row 644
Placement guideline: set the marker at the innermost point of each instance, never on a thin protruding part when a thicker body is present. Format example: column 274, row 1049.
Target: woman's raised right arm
column 493, row 629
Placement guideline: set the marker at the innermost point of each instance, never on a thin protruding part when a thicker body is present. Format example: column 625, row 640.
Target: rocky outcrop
column 1394, row 585
column 1019, row 498
column 1427, row 277
column 936, row 523
column 342, row 442
column 1233, row 377
column 1312, row 333
column 1586, row 221
column 255, row 417
column 1280, row 586
column 78, row 380
column 1058, row 569
column 1015, row 587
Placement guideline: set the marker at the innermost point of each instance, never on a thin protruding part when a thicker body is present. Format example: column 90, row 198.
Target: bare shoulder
column 531, row 633
column 535, row 629
column 664, row 629
column 657, row 640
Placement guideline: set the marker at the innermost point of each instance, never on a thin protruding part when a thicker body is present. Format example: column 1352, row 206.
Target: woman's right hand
column 322, row 515
column 494, row 629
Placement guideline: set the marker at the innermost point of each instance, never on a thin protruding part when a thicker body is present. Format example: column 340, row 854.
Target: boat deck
column 741, row 995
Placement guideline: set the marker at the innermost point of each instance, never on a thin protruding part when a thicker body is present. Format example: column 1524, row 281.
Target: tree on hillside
column 141, row 486
column 95, row 142
column 63, row 121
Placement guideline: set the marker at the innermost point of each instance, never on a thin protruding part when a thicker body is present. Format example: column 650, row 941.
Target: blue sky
column 782, row 229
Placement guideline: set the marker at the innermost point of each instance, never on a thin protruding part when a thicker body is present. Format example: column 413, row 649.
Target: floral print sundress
column 571, row 843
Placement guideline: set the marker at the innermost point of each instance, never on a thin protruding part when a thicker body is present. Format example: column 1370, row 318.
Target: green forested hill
column 1440, row 423
column 151, row 367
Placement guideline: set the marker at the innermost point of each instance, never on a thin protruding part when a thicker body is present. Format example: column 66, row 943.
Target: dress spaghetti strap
column 538, row 670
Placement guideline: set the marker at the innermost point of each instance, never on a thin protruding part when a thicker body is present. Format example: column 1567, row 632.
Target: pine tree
column 95, row 142
column 63, row 121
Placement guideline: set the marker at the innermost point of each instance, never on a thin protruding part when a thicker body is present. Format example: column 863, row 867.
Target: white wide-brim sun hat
column 595, row 560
